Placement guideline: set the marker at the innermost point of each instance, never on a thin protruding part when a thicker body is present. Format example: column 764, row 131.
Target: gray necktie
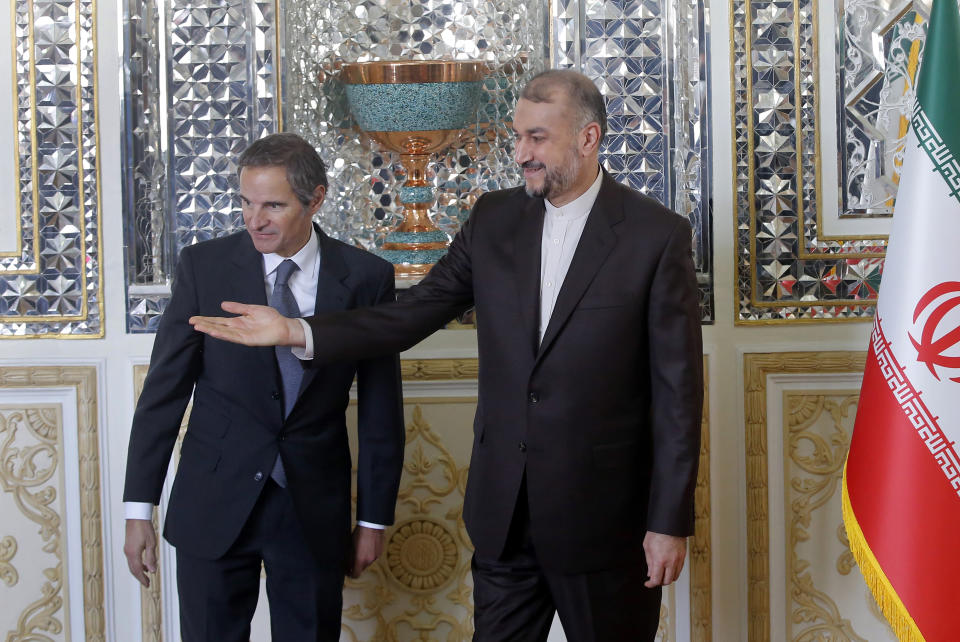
column 291, row 372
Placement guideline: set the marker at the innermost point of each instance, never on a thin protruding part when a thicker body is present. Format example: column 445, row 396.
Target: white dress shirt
column 562, row 227
column 303, row 285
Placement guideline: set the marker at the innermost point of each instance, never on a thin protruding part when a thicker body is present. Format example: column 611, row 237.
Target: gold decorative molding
column 8, row 548
column 820, row 459
column 151, row 598
column 701, row 580
column 438, row 369
column 757, row 368
column 663, row 626
column 139, row 376
column 44, row 427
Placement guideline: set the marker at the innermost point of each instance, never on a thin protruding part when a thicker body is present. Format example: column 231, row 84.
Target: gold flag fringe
column 887, row 599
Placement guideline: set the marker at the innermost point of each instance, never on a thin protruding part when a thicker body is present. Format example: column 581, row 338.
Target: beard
column 556, row 180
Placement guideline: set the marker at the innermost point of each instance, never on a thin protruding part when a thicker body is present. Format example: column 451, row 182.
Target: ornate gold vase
column 414, row 108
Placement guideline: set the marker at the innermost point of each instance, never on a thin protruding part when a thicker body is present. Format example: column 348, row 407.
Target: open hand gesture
column 256, row 325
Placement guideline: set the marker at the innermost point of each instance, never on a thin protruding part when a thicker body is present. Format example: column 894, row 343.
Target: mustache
column 532, row 165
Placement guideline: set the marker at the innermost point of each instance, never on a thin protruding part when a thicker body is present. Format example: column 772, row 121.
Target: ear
column 590, row 139
column 319, row 192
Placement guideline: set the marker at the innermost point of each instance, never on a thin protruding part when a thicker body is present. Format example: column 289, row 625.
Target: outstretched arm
column 255, row 325
column 362, row 333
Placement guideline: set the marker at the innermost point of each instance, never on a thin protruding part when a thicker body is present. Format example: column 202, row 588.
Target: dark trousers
column 218, row 597
column 515, row 599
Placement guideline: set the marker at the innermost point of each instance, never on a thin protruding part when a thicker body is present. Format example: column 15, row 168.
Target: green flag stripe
column 938, row 86
column 945, row 163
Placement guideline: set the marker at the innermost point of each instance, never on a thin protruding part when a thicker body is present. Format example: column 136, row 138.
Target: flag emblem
column 935, row 346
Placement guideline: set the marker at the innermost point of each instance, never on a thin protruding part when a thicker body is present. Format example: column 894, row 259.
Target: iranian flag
column 901, row 484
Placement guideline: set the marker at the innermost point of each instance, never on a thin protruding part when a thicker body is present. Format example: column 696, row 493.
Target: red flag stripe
column 914, row 409
column 899, row 479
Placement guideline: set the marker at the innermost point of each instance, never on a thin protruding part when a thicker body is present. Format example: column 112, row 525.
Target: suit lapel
column 596, row 242
column 526, row 254
column 249, row 287
column 332, row 294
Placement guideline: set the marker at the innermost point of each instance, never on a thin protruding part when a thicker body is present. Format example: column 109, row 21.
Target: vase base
column 406, row 270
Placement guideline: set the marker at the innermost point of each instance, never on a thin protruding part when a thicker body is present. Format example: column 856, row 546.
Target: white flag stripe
column 924, row 251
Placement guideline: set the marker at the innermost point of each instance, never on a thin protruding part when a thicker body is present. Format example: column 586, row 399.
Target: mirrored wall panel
column 50, row 245
column 200, row 85
column 204, row 82
column 820, row 112
column 649, row 58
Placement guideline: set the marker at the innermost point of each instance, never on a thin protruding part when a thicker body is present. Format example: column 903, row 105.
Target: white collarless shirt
column 562, row 228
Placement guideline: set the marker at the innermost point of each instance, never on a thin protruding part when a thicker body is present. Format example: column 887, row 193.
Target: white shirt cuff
column 378, row 527
column 306, row 352
column 138, row 510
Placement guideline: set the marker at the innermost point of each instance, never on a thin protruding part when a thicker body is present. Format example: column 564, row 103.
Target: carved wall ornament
column 151, row 598
column 820, row 456
column 663, row 626
column 30, row 452
column 845, row 562
column 8, row 548
column 421, row 587
column 439, row 369
column 701, row 577
column 422, row 555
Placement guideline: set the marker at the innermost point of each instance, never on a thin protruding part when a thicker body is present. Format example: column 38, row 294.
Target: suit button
column 258, row 477
column 275, row 395
column 283, row 437
column 533, row 397
column 522, row 446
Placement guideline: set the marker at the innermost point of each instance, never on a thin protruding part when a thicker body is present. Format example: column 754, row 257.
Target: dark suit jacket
column 237, row 425
column 603, row 416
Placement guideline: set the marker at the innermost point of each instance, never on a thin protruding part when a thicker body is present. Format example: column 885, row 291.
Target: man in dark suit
column 587, row 432
column 264, row 474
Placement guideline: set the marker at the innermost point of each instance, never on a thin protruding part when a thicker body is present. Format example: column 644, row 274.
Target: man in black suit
column 264, row 474
column 587, row 432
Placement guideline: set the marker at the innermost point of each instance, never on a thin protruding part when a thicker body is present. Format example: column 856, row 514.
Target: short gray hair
column 584, row 97
column 305, row 168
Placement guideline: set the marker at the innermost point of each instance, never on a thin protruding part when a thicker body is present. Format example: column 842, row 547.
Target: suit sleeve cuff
column 306, row 352
column 138, row 510
column 378, row 527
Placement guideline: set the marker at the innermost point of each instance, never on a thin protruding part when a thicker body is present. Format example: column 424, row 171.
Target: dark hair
column 305, row 168
column 584, row 97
